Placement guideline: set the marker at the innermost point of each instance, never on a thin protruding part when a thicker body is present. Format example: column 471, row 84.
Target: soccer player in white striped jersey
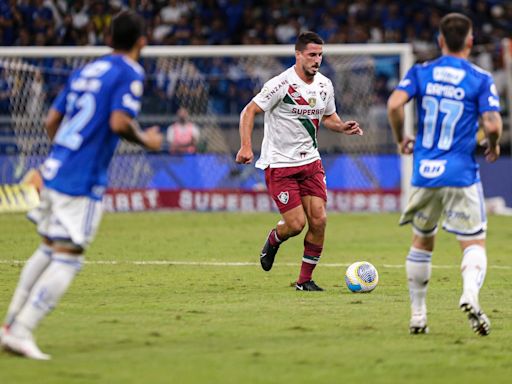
column 295, row 103
column 451, row 94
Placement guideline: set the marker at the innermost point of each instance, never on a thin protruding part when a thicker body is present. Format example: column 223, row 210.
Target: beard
column 310, row 72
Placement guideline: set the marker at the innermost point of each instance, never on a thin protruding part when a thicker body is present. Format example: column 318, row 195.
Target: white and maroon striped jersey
column 293, row 112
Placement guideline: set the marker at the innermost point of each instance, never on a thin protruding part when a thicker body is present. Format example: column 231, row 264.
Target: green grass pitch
column 128, row 322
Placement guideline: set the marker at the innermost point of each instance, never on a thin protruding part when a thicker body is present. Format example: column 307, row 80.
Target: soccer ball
column 361, row 277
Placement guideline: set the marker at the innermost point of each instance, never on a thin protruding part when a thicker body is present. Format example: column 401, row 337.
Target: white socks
column 29, row 275
column 50, row 287
column 473, row 269
column 419, row 268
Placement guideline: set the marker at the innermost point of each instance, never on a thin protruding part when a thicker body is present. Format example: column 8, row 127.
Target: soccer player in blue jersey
column 97, row 106
column 451, row 94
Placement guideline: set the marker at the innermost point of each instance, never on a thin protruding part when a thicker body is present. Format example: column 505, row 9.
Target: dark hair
column 127, row 27
column 455, row 28
column 305, row 38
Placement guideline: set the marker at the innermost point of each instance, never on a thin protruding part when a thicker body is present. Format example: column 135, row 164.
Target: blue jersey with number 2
column 450, row 93
column 84, row 143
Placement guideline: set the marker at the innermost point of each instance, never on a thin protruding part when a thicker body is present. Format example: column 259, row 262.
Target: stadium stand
column 211, row 22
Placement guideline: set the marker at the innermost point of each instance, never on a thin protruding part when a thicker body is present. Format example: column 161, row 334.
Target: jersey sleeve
column 330, row 104
column 488, row 99
column 128, row 93
column 270, row 95
column 408, row 84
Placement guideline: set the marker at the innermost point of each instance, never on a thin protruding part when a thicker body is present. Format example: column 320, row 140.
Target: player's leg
column 36, row 264
column 291, row 224
column 423, row 212
column 313, row 191
column 466, row 217
column 32, row 270
column 313, row 241
column 284, row 189
column 78, row 219
column 418, row 267
column 469, row 223
column 49, row 288
column 473, row 271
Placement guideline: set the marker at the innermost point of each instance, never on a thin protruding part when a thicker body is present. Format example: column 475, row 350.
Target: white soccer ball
column 361, row 277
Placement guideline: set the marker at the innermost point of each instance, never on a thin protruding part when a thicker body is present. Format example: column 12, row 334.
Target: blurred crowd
column 225, row 82
column 209, row 22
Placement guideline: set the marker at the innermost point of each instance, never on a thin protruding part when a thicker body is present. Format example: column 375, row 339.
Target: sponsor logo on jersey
column 449, row 75
column 404, row 83
column 323, row 94
column 130, row 103
column 96, row 69
column 307, row 111
column 431, row 169
column 296, row 96
column 268, row 93
column 493, row 102
column 312, row 101
column 283, row 197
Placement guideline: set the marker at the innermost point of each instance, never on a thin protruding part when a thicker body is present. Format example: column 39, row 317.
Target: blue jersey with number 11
column 85, row 143
column 451, row 94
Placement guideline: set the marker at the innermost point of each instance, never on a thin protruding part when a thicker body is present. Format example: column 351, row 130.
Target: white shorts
column 463, row 209
column 61, row 217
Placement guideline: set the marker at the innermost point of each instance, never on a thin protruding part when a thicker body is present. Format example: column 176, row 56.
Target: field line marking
column 236, row 264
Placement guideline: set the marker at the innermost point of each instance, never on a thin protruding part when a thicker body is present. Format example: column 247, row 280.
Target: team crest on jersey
column 312, row 101
column 136, row 88
column 283, row 197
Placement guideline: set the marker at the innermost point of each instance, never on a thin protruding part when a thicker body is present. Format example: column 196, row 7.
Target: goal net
column 213, row 84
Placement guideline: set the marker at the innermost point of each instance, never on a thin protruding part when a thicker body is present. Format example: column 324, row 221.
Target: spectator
column 183, row 135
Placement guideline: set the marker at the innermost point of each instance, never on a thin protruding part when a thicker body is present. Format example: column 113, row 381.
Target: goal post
column 213, row 82
column 507, row 59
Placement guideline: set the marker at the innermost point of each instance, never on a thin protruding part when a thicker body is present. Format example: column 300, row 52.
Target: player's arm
column 493, row 127
column 396, row 117
column 128, row 128
column 245, row 154
column 52, row 123
column 335, row 123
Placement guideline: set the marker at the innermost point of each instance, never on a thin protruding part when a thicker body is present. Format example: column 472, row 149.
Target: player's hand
column 492, row 153
column 153, row 138
column 406, row 147
column 244, row 156
column 352, row 127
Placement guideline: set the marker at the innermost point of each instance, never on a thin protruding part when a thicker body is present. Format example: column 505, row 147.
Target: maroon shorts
column 288, row 185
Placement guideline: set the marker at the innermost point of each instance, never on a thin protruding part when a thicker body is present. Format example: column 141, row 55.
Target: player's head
column 182, row 114
column 128, row 32
column 308, row 53
column 456, row 33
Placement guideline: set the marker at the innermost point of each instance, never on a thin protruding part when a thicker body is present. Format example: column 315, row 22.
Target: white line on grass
column 235, row 264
